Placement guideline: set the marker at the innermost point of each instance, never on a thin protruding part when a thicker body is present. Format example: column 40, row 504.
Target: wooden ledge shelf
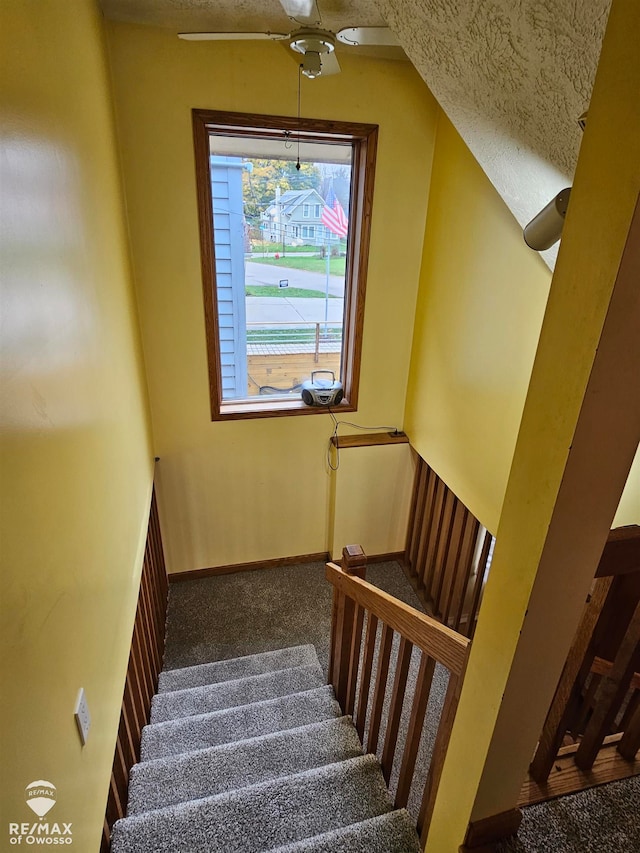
column 372, row 439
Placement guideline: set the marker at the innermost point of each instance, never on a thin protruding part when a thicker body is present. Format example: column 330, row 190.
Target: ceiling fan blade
column 330, row 64
column 232, row 36
column 367, row 36
column 302, row 11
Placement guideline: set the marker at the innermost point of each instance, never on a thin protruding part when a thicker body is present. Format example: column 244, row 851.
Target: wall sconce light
column 545, row 228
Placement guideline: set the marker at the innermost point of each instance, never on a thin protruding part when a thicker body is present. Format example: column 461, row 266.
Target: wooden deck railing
column 351, row 672
column 145, row 663
column 596, row 707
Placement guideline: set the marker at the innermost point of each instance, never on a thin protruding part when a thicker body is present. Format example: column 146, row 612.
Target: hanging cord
column 299, row 86
column 334, row 435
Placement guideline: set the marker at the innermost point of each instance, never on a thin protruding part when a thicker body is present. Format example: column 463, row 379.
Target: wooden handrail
column 445, row 645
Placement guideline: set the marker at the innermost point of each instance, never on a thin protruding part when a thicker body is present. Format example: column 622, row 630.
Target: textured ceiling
column 512, row 75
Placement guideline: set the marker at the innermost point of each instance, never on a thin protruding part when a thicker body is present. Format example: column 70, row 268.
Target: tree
column 259, row 185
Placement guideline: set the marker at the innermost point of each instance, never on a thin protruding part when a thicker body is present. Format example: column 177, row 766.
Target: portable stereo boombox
column 322, row 392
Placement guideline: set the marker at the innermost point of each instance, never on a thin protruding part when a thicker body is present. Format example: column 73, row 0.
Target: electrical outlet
column 82, row 715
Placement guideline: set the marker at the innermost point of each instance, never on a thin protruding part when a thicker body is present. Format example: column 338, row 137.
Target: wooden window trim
column 363, row 138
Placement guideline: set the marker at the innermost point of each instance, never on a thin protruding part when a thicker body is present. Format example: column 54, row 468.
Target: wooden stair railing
column 597, row 700
column 145, row 663
column 447, row 552
column 351, row 673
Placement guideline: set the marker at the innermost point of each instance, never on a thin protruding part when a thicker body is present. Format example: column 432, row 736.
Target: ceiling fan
column 316, row 45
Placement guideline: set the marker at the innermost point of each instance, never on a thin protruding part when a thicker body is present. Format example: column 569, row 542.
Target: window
column 279, row 306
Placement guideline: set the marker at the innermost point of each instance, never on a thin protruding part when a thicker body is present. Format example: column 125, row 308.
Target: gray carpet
column 605, row 819
column 249, row 612
column 207, row 772
column 390, row 832
column 241, row 667
column 240, row 691
column 264, row 783
column 240, row 723
column 241, row 614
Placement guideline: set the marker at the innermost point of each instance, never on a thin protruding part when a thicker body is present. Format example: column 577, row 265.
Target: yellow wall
column 372, row 498
column 480, row 306
column 76, row 459
column 249, row 490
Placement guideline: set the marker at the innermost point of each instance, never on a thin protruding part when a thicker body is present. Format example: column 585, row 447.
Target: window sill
column 246, row 409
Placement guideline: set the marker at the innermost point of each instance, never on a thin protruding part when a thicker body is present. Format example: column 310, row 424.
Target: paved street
column 268, row 274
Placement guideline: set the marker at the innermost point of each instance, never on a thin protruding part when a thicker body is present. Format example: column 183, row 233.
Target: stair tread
column 201, row 731
column 263, row 816
column 167, row 781
column 228, row 670
column 394, row 832
column 241, row 691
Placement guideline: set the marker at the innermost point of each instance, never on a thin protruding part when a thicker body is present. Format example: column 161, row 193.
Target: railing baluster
column 333, row 641
column 414, row 730
column 439, row 752
column 465, row 567
column 435, row 530
column 416, row 556
column 413, row 526
column 367, row 666
column 439, row 591
column 382, row 672
column 354, row 562
column 425, row 533
column 354, row 660
column 610, row 695
column 395, row 711
column 632, row 706
column 630, row 742
column 477, row 589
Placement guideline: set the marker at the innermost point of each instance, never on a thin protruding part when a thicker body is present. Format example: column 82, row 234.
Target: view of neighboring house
column 295, row 217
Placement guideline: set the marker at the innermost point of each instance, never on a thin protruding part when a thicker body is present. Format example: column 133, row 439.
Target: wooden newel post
column 346, row 632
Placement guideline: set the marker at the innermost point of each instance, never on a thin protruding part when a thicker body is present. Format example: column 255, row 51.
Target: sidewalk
column 280, row 309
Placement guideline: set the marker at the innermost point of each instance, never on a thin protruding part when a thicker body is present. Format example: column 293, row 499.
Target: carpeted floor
column 249, row 612
column 240, row 614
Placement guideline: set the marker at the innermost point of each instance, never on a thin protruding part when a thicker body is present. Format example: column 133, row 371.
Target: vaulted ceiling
column 512, row 75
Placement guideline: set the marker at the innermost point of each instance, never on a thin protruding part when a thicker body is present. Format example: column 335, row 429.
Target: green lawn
column 336, row 265
column 270, row 248
column 272, row 290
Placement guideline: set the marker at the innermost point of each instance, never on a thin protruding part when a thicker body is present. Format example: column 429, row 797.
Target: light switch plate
column 82, row 715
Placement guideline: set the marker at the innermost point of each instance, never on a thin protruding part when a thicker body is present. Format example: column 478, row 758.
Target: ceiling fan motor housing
column 312, row 41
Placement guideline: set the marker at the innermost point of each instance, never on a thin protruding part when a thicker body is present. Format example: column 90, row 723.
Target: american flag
column 333, row 216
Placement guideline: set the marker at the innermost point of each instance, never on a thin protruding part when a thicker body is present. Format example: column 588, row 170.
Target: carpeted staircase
column 253, row 754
